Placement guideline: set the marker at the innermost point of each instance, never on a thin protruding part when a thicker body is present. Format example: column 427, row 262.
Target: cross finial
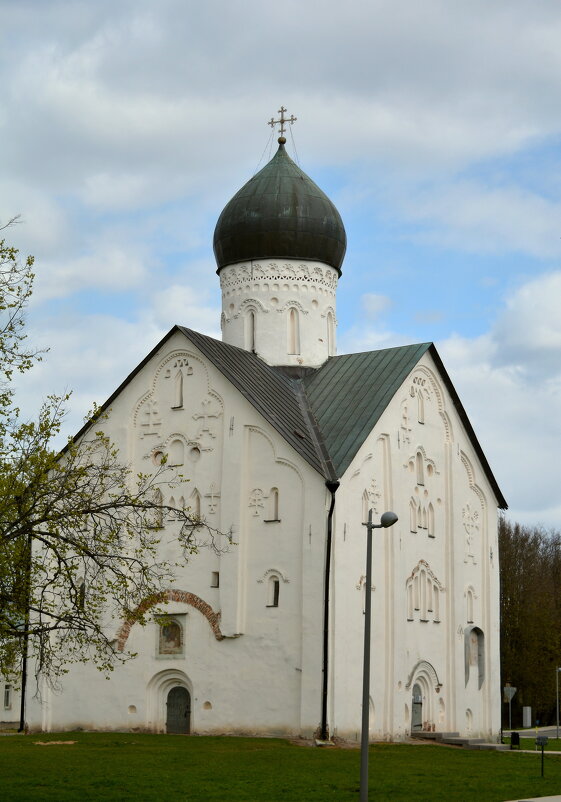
column 272, row 122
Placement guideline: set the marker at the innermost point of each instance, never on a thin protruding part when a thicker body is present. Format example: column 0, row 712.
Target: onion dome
column 280, row 213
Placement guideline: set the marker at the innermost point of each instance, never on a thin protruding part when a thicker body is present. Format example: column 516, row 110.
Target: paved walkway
column 537, row 799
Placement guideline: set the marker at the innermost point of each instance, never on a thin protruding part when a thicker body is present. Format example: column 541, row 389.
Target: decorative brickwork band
column 182, row 596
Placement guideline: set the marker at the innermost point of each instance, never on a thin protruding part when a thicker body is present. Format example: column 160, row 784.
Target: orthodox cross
column 292, row 119
column 205, row 417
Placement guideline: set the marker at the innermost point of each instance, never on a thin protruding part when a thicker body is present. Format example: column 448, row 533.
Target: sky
column 435, row 127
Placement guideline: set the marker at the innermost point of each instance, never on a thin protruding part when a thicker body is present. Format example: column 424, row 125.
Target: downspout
column 21, row 727
column 332, row 487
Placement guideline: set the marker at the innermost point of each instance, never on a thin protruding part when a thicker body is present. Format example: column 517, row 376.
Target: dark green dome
column 280, row 214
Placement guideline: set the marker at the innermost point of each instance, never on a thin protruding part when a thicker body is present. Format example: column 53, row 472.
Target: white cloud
column 476, row 217
column 528, row 330
column 374, row 305
column 184, row 305
column 109, row 268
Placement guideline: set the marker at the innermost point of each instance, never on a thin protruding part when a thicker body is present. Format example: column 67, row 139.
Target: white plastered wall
column 262, row 301
column 258, row 670
column 424, row 641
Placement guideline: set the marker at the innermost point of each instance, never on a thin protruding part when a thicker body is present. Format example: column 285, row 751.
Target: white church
column 289, row 446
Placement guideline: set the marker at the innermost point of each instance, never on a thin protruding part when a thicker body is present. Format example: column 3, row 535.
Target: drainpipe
column 21, row 727
column 332, row 487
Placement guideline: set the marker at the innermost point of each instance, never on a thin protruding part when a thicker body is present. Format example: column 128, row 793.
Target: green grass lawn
column 127, row 766
column 552, row 745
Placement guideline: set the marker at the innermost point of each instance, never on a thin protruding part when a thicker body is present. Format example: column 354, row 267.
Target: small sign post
column 541, row 741
column 509, row 691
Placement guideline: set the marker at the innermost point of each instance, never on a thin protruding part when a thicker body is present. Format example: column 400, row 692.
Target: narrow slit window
column 410, row 601
column 293, row 331
column 430, row 523
column 330, row 334
column 420, row 407
column 178, row 391
column 274, row 589
column 273, row 506
column 420, row 468
column 196, row 503
column 412, row 516
column 250, row 331
column 215, row 579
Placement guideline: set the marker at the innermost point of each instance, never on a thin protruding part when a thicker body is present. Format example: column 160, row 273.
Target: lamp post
column 387, row 519
column 557, row 670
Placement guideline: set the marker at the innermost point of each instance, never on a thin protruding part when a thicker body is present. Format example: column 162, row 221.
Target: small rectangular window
column 215, row 579
column 7, row 697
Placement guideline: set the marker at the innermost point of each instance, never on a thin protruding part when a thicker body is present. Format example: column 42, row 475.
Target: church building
column 288, row 446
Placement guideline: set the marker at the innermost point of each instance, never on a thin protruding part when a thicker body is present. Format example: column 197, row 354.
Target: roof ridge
column 315, row 431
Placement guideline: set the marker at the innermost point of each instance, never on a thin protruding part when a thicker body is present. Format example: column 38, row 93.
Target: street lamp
column 387, row 519
column 557, row 670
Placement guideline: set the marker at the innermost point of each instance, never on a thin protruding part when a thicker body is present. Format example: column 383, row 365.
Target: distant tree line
column 530, row 571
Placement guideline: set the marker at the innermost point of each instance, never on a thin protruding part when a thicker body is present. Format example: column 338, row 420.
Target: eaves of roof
column 328, row 413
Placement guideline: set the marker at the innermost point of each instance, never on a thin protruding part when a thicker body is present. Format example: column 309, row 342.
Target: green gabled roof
column 270, row 391
column 326, row 414
column 349, row 393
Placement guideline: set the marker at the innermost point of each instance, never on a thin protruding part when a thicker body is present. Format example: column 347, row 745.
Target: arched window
column 170, row 637
column 273, row 591
column 436, row 603
column 250, row 330
column 273, row 507
column 413, row 515
column 409, row 601
column 330, row 334
column 365, row 506
column 475, row 654
column 293, row 331
column 157, row 517
column 196, row 503
column 420, row 468
column 430, row 521
column 178, row 391
column 423, row 590
column 420, row 407
column 176, row 453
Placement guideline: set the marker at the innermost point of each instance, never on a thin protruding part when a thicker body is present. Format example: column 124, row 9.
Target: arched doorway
column 178, row 710
column 417, row 708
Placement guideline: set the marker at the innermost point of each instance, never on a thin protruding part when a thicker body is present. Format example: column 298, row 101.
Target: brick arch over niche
column 182, row 596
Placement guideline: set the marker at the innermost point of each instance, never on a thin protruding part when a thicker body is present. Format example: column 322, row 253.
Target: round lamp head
column 388, row 519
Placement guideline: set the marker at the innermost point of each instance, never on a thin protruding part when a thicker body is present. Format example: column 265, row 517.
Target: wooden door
column 178, row 718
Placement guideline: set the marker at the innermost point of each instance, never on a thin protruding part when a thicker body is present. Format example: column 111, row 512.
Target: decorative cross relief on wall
column 213, row 497
column 149, row 416
column 257, row 501
column 470, row 520
column 362, row 581
column 205, row 417
column 374, row 496
column 405, row 426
